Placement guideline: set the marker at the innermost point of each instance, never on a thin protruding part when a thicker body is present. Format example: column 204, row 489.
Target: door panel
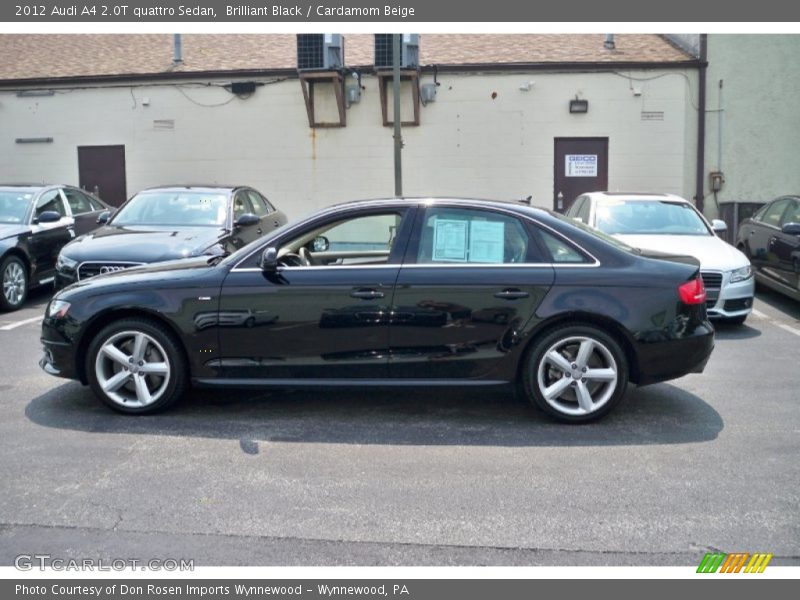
column 318, row 322
column 101, row 170
column 471, row 280
column 581, row 166
column 47, row 239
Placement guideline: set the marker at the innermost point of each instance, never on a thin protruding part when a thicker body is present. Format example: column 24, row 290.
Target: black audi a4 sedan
column 398, row 292
column 36, row 221
column 771, row 240
column 167, row 223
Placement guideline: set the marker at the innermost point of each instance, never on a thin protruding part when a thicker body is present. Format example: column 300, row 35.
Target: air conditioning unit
column 320, row 51
column 409, row 51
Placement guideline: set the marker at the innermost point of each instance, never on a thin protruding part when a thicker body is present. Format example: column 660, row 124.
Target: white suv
column 668, row 223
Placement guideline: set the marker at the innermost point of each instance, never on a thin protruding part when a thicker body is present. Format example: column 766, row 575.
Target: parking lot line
column 20, row 323
column 789, row 328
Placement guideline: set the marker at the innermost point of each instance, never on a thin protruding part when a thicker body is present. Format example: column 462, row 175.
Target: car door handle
column 365, row 294
column 511, row 294
column 258, row 231
column 277, row 223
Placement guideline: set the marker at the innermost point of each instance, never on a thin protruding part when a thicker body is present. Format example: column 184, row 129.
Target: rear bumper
column 672, row 358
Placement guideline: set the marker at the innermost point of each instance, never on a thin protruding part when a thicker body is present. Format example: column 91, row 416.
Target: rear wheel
column 576, row 373
column 136, row 366
column 15, row 283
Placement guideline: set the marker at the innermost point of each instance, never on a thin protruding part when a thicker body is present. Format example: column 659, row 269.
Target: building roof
column 68, row 56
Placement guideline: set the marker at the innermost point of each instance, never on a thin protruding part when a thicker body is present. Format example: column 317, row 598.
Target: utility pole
column 398, row 138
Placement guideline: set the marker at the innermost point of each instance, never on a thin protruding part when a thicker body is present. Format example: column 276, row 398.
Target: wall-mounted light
column 578, row 106
column 526, row 86
column 34, row 140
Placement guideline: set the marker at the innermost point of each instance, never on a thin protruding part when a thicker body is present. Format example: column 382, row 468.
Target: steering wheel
column 305, row 256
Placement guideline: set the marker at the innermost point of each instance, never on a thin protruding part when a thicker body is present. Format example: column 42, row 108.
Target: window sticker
column 450, row 240
column 486, row 241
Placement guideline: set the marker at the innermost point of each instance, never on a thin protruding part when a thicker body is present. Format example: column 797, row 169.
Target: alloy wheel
column 577, row 375
column 132, row 369
column 14, row 283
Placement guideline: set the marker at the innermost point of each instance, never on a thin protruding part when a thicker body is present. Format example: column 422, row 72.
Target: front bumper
column 728, row 300
column 58, row 352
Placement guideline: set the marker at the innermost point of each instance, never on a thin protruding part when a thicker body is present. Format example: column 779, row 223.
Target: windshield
column 14, row 206
column 649, row 217
column 196, row 209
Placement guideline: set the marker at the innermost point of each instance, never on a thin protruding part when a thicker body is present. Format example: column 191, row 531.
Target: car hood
column 141, row 244
column 712, row 252
column 11, row 230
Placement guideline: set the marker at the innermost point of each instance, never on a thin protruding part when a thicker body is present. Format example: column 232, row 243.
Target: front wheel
column 15, row 283
column 576, row 373
column 135, row 366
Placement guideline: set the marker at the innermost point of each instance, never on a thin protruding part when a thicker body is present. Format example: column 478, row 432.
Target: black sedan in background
column 771, row 240
column 36, row 221
column 395, row 292
column 166, row 223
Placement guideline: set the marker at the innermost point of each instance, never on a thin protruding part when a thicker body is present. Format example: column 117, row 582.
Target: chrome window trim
column 423, row 203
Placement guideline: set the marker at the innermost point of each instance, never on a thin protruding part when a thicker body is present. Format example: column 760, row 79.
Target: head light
column 57, row 309
column 741, row 274
column 65, row 263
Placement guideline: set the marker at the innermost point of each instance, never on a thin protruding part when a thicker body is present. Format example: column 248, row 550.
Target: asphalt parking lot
column 415, row 477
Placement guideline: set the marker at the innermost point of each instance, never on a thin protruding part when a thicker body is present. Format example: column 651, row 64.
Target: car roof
column 517, row 205
column 636, row 196
column 197, row 187
column 25, row 186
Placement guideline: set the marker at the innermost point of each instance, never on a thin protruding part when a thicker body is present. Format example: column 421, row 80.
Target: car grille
column 713, row 284
column 90, row 269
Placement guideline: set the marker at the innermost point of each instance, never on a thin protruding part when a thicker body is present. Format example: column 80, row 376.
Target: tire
column 593, row 387
column 734, row 320
column 156, row 369
column 14, row 275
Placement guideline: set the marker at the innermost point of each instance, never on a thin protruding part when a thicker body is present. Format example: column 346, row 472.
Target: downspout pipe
column 177, row 49
column 701, row 125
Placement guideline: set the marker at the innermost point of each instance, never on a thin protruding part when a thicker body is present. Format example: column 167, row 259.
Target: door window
column 360, row 240
column 259, row 206
column 79, row 203
column 51, row 201
column 454, row 235
column 241, row 205
column 772, row 215
column 792, row 215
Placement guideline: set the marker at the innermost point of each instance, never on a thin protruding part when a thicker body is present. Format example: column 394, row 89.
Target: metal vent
column 164, row 124
column 652, row 115
column 409, row 51
column 320, row 51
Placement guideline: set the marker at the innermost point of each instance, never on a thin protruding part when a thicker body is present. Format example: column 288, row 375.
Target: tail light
column 692, row 292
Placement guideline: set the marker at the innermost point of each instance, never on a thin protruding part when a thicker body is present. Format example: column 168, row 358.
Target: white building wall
column 753, row 124
column 469, row 143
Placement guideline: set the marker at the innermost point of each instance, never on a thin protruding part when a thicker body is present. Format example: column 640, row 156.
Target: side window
column 793, row 214
column 772, row 215
column 96, row 204
column 51, row 201
column 359, row 240
column 78, row 202
column 560, row 251
column 241, row 205
column 583, row 212
column 455, row 235
column 259, row 207
column 576, row 208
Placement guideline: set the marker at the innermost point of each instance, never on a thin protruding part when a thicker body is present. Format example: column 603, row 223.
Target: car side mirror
column 103, row 217
column 269, row 260
column 719, row 226
column 791, row 228
column 48, row 216
column 246, row 220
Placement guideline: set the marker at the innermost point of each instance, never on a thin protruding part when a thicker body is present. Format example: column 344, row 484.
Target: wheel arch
column 105, row 318
column 605, row 324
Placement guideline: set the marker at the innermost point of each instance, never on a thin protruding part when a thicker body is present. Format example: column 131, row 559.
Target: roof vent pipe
column 177, row 55
column 609, row 43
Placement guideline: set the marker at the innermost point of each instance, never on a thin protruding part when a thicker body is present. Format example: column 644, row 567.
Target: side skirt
column 315, row 383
